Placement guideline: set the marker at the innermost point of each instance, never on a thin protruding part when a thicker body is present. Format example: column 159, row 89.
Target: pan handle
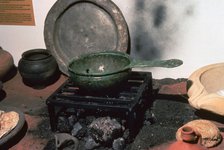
column 170, row 63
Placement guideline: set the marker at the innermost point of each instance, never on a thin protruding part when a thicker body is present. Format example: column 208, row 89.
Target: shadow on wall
column 156, row 25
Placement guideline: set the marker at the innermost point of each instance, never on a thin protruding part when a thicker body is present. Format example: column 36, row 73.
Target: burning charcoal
column 63, row 124
column 72, row 120
column 105, row 129
column 91, row 143
column 126, row 134
column 119, row 144
column 90, row 119
column 78, row 130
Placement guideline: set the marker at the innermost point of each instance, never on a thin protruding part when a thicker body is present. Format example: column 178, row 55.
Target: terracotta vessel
column 189, row 142
column 6, row 63
column 210, row 135
column 207, row 88
column 38, row 68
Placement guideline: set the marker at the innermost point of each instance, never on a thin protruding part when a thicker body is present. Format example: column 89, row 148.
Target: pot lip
column 27, row 54
column 109, row 52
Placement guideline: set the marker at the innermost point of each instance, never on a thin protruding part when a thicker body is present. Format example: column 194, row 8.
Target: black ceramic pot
column 38, row 68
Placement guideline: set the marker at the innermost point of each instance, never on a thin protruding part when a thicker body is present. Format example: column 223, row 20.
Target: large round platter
column 75, row 27
column 18, row 127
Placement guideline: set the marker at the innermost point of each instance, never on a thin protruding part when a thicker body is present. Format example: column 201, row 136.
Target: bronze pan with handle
column 100, row 71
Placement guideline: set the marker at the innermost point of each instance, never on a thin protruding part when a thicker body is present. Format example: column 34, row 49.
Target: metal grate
column 130, row 100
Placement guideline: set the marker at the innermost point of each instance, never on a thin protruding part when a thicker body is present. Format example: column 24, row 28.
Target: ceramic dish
column 74, row 27
column 207, row 89
column 18, row 127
